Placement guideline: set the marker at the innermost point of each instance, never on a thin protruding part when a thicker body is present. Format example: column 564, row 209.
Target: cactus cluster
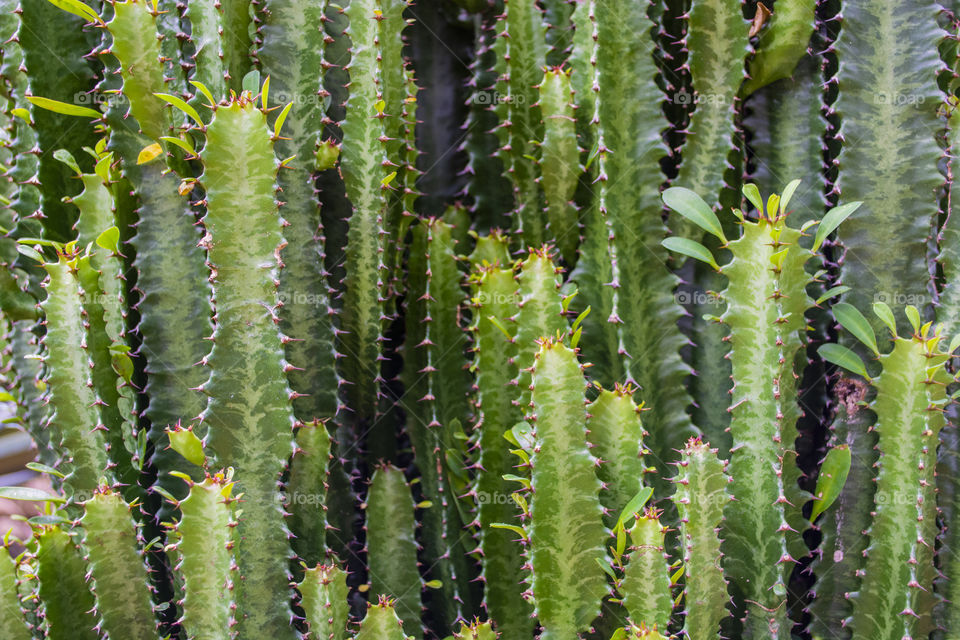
column 324, row 331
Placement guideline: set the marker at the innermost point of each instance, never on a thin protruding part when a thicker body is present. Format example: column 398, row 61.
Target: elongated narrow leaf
column 691, row 249
column 853, row 321
column 833, row 476
column 843, row 357
column 692, row 207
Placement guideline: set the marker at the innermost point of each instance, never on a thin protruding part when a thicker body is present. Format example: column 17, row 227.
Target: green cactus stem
column 202, row 544
column 783, row 42
column 646, row 585
column 13, row 625
column 560, row 161
column 68, row 607
column 248, row 412
column 307, row 492
column 617, row 437
column 381, row 623
column 565, row 533
column 392, row 547
column 323, row 596
column 700, row 498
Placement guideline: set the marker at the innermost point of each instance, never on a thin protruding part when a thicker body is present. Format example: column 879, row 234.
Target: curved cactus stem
column 248, row 413
column 888, row 98
column 203, row 549
column 13, row 625
column 560, row 161
column 235, row 43
column 117, row 569
column 323, row 596
column 617, row 437
column 67, row 603
column 700, row 498
column 566, row 536
column 391, row 546
column 646, row 578
column 381, row 623
column 783, row 42
column 307, row 492
column 74, row 417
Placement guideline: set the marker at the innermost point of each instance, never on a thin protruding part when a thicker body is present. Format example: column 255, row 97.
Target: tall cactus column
column 249, row 414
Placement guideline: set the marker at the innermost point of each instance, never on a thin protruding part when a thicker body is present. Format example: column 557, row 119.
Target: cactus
column 67, row 603
column 909, row 407
column 381, row 623
column 323, row 595
column 203, row 544
column 564, row 530
column 701, row 497
column 646, row 581
column 766, row 300
column 391, row 547
column 12, row 622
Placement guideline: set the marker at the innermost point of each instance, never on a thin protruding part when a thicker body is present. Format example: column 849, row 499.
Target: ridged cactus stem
column 566, row 539
column 521, row 50
column 202, row 545
column 392, row 546
column 248, row 413
column 366, row 168
column 646, row 585
column 74, row 418
column 117, row 568
column 68, row 606
column 13, row 625
column 323, row 596
column 617, row 437
column 306, row 492
column 700, row 498
column 381, row 623
column 494, row 364
column 560, row 161
column 895, row 594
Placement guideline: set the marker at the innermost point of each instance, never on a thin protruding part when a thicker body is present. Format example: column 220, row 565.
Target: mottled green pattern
column 202, row 540
column 67, row 603
column 307, row 493
column 391, row 546
column 117, row 569
column 646, row 579
column 565, row 529
column 12, row 623
column 323, row 596
column 888, row 100
column 700, row 498
column 783, row 42
column 560, row 161
column 381, row 623
column 617, row 438
column 248, row 413
column 909, row 407
column 74, row 418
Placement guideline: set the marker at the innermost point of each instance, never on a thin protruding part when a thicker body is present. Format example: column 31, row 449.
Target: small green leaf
column 30, row 252
column 202, row 88
column 28, row 494
column 633, row 507
column 607, row 569
column 77, row 8
column 180, row 142
column 832, row 220
column 67, row 158
column 788, row 193
column 882, row 311
column 433, row 584
column 180, row 104
column 689, row 205
column 843, row 357
column 280, row 120
column 853, row 321
column 102, row 168
column 42, row 468
column 64, row 108
column 186, row 443
column 523, row 435
column 110, row 240
column 122, row 365
column 510, row 527
column 913, row 316
column 251, row 82
column 832, row 293
column 833, row 475
column 264, row 93
column 691, row 249
column 752, row 193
